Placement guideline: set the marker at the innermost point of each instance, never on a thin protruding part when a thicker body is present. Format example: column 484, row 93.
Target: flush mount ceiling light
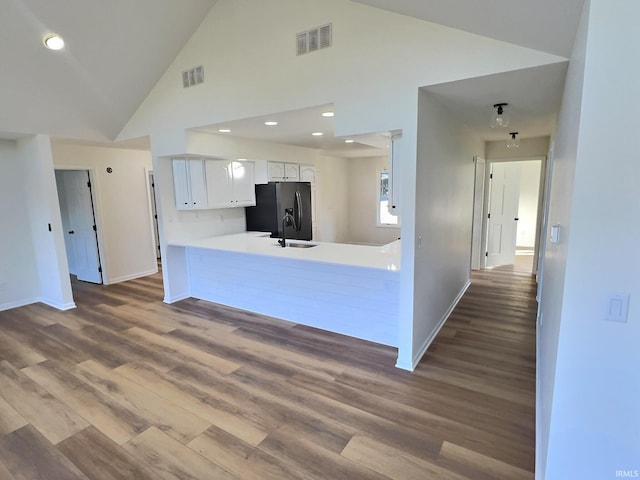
column 53, row 41
column 500, row 118
column 328, row 114
column 317, row 134
column 224, row 130
column 514, row 141
column 271, row 123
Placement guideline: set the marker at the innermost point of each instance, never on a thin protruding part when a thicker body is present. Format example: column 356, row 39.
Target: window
column 385, row 219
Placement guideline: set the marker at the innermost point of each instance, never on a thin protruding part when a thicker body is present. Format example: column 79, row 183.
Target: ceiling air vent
column 314, row 39
column 193, row 76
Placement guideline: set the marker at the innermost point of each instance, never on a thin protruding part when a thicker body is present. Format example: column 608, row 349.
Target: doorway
column 511, row 213
column 154, row 215
column 75, row 195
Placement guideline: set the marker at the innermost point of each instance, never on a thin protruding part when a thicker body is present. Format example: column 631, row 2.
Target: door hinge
column 99, row 269
column 95, row 229
column 490, row 176
column 486, row 254
column 489, row 216
column 89, row 184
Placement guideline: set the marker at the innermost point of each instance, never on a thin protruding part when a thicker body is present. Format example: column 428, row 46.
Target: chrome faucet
column 287, row 221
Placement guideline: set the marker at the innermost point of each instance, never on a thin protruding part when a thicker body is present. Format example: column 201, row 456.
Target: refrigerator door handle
column 299, row 219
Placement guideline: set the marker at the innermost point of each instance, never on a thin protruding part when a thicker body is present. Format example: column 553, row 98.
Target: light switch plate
column 617, row 307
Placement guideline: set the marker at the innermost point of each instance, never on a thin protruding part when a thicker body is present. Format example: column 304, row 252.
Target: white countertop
column 386, row 257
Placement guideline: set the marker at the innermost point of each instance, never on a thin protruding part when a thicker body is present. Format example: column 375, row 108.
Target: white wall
column 597, row 384
column 19, row 283
column 44, row 210
column 122, row 206
column 364, row 186
column 444, row 208
column 562, row 162
column 528, row 203
column 536, row 147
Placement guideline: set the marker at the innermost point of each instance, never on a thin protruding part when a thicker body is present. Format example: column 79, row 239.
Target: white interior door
column 81, row 233
column 502, row 224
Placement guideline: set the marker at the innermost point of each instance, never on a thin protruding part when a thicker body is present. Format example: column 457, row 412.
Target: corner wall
column 443, row 219
column 19, row 282
column 46, row 222
column 595, row 417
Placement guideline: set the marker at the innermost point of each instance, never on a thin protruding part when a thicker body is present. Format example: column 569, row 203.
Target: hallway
column 198, row 390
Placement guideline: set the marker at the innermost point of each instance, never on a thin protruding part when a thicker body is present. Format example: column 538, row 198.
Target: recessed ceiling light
column 271, row 123
column 328, row 114
column 224, row 130
column 53, row 41
column 317, row 134
column 349, row 141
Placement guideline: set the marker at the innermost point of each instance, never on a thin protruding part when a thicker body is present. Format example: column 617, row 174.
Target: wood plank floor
column 126, row 387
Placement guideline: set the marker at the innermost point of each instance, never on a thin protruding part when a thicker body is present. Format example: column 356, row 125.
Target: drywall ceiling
column 116, row 51
column 546, row 25
column 297, row 127
column 533, row 95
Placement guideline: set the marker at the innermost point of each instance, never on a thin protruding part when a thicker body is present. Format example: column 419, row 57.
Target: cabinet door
column 219, row 184
column 308, row 174
column 197, row 183
column 181, row 185
column 291, row 172
column 244, row 190
column 275, row 171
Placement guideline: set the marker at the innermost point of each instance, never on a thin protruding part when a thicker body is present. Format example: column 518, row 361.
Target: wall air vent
column 193, row 76
column 314, row 39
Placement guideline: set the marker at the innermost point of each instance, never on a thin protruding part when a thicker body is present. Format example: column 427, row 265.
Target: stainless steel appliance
column 274, row 200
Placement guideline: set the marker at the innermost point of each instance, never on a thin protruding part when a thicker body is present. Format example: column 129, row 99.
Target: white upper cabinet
column 189, row 184
column 283, row 172
column 219, row 184
column 244, row 184
column 211, row 183
column 230, row 184
column 291, row 172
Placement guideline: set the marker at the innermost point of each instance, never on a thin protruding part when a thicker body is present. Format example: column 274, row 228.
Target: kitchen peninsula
column 347, row 289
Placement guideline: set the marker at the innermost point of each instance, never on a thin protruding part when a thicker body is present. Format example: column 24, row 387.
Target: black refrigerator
column 274, row 200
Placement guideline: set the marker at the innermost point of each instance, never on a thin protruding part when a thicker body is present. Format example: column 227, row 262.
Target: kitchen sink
column 301, row 245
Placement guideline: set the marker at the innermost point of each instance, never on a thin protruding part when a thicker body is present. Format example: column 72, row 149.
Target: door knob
column 71, row 232
column 516, row 219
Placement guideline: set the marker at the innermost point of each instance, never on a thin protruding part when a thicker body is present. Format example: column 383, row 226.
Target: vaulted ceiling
column 118, row 49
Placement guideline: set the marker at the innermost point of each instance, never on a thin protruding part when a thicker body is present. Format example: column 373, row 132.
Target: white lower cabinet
column 189, row 184
column 230, row 184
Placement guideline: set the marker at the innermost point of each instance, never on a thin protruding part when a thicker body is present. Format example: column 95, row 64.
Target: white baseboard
column 176, row 298
column 57, row 305
column 18, row 303
column 423, row 348
column 133, row 276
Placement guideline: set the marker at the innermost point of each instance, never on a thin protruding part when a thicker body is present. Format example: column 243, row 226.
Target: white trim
column 97, row 214
column 131, row 277
column 58, row 306
column 18, row 304
column 31, row 301
column 423, row 349
column 389, row 199
column 177, row 298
